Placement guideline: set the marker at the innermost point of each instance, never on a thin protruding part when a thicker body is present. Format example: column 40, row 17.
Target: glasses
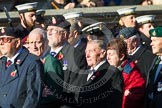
column 6, row 39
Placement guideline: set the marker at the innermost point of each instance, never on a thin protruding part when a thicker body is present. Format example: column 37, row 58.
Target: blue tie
column 53, row 54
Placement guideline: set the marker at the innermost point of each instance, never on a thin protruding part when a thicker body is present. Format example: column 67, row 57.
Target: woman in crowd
column 134, row 83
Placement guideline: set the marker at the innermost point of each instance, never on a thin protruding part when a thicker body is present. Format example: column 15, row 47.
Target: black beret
column 10, row 31
column 127, row 32
column 58, row 21
column 156, row 32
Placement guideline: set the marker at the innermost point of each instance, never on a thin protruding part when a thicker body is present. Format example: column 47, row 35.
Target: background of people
column 67, row 4
column 71, row 56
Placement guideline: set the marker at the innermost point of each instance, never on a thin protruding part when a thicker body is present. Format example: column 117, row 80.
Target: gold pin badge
column 121, row 36
column 53, row 20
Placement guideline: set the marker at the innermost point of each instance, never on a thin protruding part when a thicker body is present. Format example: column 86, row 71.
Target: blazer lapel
column 10, row 74
column 2, row 69
column 150, row 72
column 99, row 73
column 138, row 54
column 13, row 72
column 159, row 76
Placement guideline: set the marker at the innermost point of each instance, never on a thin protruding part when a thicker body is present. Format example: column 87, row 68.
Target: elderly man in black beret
column 72, row 60
column 154, row 81
column 20, row 73
column 139, row 54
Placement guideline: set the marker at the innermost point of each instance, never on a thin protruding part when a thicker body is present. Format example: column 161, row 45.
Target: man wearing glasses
column 20, row 73
column 72, row 60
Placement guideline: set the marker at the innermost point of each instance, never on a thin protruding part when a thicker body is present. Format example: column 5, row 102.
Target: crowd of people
column 69, row 4
column 60, row 62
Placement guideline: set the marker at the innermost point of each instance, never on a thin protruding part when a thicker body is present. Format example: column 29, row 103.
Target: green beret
column 156, row 32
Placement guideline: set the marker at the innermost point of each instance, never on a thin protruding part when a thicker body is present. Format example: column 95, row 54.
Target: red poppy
column 13, row 73
column 43, row 60
column 60, row 56
column 97, row 74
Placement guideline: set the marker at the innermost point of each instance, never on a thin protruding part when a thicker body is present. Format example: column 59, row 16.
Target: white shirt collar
column 14, row 57
column 135, row 50
column 160, row 57
column 78, row 42
column 98, row 65
column 57, row 50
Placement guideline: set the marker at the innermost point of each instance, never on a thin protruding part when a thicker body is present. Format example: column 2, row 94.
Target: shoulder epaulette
column 127, row 68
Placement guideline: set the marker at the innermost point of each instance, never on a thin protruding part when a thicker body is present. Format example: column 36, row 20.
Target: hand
column 69, row 6
column 91, row 4
column 146, row 2
column 127, row 92
column 88, row 3
column 46, row 92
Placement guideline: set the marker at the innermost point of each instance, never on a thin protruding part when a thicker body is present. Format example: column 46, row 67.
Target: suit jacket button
column 4, row 95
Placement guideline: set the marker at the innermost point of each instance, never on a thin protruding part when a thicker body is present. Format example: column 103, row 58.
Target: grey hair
column 39, row 31
column 100, row 43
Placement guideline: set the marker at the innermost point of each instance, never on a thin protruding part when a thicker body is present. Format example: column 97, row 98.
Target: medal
column 159, row 87
column 65, row 65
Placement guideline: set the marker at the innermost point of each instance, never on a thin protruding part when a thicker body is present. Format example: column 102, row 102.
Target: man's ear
column 121, row 21
column 140, row 29
column 21, row 16
column 75, row 33
column 18, row 42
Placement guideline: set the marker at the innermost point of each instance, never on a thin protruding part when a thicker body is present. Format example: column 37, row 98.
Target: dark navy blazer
column 20, row 83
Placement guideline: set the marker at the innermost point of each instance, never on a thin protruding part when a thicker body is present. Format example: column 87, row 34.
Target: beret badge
column 53, row 20
column 121, row 36
column 154, row 33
